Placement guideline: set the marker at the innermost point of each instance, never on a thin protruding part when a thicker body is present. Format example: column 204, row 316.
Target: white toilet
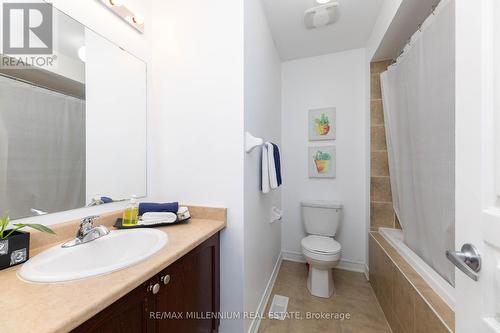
column 322, row 252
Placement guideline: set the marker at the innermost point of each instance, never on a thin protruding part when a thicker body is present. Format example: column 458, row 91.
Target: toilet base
column 320, row 282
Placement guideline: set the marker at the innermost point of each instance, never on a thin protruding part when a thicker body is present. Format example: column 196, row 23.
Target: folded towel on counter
column 147, row 207
column 151, row 218
column 271, row 167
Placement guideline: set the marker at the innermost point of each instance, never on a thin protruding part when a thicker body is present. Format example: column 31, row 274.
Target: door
column 189, row 294
column 478, row 162
column 129, row 314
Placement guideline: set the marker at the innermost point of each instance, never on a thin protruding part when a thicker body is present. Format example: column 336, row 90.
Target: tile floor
column 354, row 296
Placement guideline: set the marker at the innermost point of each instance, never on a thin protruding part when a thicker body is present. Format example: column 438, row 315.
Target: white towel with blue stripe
column 271, row 167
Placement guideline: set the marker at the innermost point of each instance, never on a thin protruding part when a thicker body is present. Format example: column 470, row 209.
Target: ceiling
column 410, row 15
column 293, row 40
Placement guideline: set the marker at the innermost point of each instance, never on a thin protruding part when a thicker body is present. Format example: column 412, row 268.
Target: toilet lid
column 321, row 244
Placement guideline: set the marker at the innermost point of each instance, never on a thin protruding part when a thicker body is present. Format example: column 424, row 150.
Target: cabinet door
column 189, row 302
column 130, row 314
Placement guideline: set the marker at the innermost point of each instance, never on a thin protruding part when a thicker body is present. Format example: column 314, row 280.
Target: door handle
column 468, row 260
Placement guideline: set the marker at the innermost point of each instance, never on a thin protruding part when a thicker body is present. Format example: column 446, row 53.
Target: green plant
column 4, row 222
column 320, row 156
column 323, row 120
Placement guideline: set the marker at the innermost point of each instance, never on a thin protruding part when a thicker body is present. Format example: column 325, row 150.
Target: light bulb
column 116, row 3
column 138, row 19
column 82, row 54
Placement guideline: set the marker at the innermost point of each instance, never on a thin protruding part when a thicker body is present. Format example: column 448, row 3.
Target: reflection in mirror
column 72, row 135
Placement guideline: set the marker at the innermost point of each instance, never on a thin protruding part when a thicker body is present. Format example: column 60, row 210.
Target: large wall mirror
column 75, row 132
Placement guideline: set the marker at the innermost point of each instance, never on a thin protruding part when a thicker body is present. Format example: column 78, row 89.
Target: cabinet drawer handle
column 165, row 279
column 154, row 288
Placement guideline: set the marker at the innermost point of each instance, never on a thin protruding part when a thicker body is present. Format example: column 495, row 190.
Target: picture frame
column 322, row 124
column 322, row 162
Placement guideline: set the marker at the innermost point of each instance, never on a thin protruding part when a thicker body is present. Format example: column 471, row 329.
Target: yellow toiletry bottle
column 131, row 213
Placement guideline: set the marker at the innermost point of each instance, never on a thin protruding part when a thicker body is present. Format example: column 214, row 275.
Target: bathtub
column 434, row 280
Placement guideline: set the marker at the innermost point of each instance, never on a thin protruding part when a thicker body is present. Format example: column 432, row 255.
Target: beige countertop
column 61, row 307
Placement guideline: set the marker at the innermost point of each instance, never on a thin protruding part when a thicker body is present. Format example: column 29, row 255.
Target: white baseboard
column 367, row 272
column 345, row 264
column 293, row 256
column 254, row 325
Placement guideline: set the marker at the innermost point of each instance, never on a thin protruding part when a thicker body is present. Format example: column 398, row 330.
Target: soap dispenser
column 131, row 213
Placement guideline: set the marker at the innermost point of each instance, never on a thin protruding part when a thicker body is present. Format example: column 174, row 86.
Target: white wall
column 337, row 80
column 262, row 119
column 197, row 121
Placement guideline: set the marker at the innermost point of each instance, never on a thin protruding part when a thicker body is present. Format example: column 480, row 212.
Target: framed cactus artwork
column 322, row 124
column 322, row 162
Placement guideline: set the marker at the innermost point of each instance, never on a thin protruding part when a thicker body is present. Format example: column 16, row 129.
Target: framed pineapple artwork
column 322, row 124
column 322, row 162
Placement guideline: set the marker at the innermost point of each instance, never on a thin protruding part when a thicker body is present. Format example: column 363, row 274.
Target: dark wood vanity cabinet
column 186, row 299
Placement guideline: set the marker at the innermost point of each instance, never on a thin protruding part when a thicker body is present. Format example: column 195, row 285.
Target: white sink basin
column 117, row 250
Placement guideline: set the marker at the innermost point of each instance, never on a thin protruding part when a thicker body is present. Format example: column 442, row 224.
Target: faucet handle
column 86, row 224
column 89, row 220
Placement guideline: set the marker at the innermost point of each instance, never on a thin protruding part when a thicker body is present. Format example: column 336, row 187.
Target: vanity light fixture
column 119, row 8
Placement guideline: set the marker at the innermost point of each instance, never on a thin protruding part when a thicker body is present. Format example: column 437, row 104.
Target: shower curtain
column 42, row 150
column 418, row 94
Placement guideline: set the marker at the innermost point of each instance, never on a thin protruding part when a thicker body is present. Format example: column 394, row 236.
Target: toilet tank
column 321, row 217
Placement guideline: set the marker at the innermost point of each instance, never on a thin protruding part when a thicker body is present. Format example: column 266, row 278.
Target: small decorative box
column 15, row 249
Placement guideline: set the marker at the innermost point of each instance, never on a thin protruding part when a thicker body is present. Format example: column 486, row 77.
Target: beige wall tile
column 396, row 222
column 394, row 323
column 372, row 263
column 404, row 302
column 380, row 189
column 385, row 280
column 381, row 215
column 376, row 92
column 426, row 320
column 377, row 137
column 422, row 311
column 379, row 164
column 376, row 113
column 379, row 66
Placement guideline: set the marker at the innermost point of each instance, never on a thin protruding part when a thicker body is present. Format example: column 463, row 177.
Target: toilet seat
column 321, row 248
column 321, row 244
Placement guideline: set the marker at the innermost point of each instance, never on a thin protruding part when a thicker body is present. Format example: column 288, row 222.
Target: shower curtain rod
column 419, row 28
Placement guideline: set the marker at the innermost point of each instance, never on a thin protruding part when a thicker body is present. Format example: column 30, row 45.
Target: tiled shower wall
column 382, row 212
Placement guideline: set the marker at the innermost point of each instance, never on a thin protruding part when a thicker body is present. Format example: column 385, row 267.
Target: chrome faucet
column 87, row 232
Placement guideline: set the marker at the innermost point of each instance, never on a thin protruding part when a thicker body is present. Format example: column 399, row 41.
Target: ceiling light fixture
column 321, row 16
column 323, row 2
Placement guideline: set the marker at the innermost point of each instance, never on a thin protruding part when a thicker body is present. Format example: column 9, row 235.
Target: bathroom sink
column 118, row 250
